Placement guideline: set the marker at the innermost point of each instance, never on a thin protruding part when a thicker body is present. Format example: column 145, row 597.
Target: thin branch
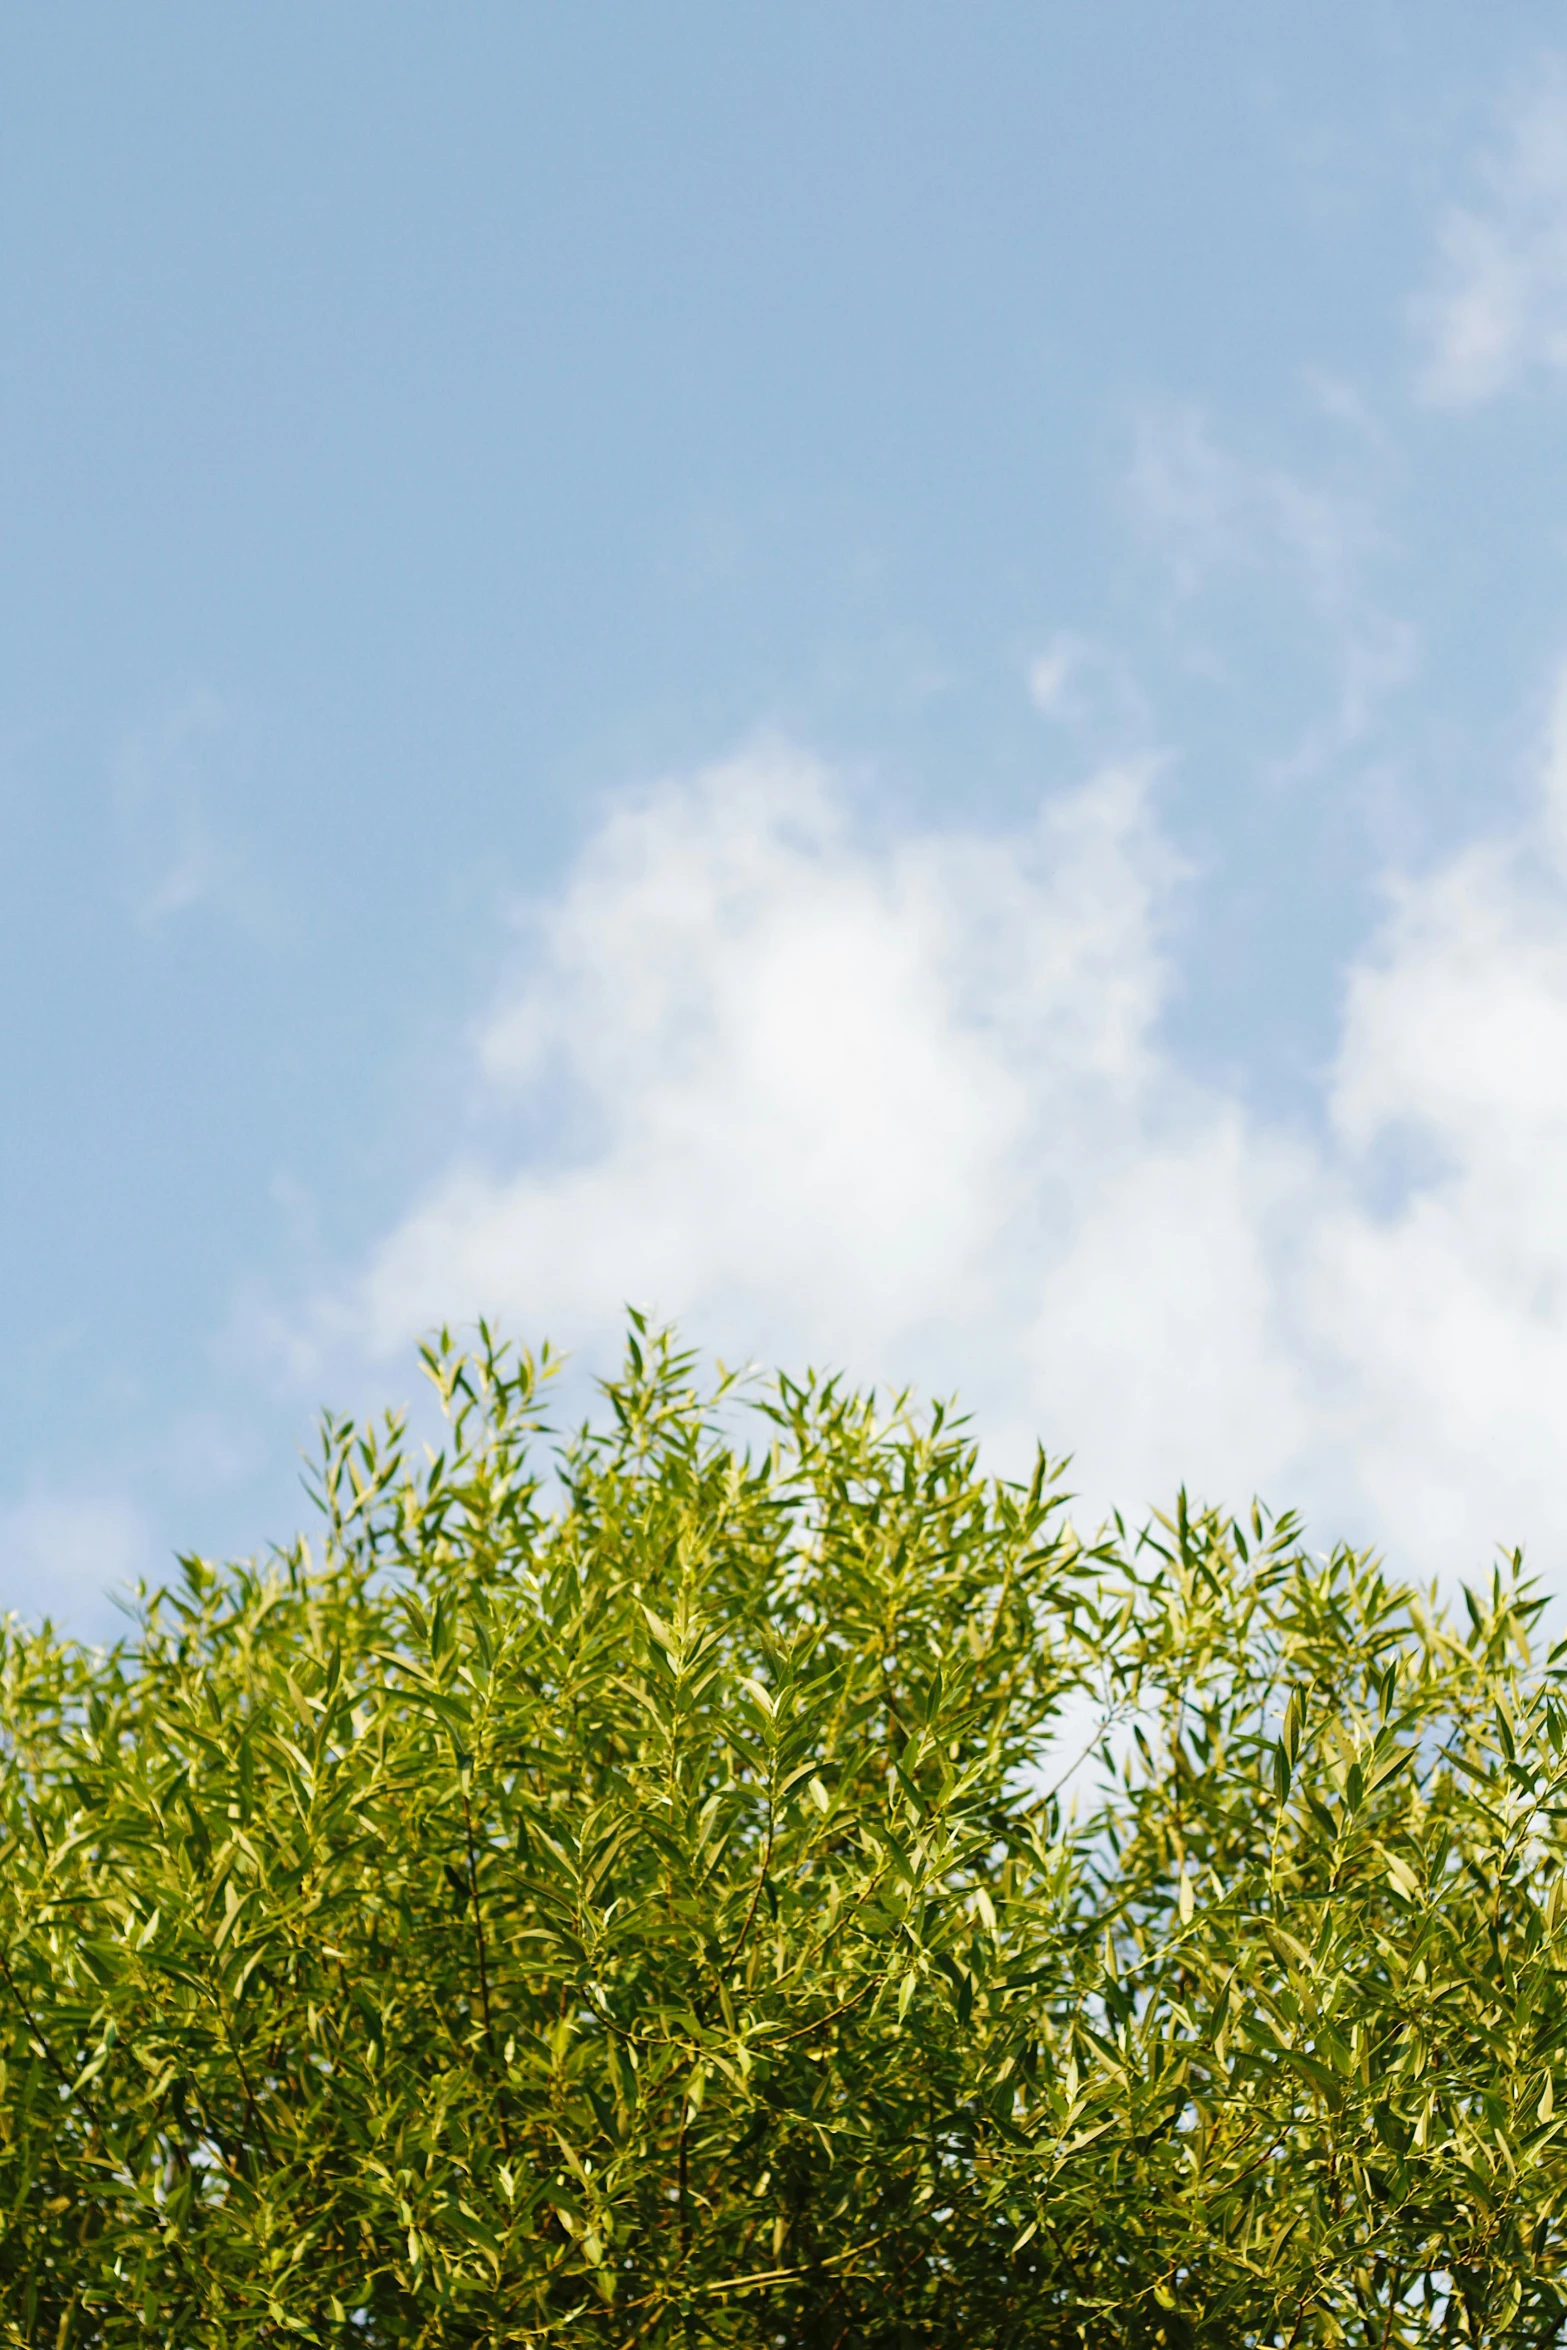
column 484, row 1970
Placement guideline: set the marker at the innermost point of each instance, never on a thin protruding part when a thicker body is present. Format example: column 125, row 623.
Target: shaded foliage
column 618, row 1896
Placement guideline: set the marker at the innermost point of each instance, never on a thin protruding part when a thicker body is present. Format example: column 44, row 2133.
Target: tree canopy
column 642, row 1890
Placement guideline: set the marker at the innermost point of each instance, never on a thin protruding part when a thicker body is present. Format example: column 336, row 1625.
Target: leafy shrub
column 619, row 1896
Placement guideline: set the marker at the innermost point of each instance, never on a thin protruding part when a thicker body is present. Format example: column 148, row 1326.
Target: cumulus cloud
column 1496, row 308
column 803, row 1076
column 1451, row 1310
column 907, row 1107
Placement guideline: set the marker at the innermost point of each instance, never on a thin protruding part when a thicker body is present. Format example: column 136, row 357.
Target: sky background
column 886, row 677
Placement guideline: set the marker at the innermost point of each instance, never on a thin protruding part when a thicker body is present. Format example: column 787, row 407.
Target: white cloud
column 1452, row 1311
column 811, row 1071
column 1497, row 306
column 61, row 1555
column 907, row 1107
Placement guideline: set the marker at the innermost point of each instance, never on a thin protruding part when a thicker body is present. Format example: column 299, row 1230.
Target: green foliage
column 617, row 1897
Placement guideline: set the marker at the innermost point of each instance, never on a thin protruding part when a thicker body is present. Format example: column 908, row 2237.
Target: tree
column 618, row 1895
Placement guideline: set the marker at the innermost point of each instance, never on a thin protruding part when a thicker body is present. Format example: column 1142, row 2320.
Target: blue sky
column 888, row 677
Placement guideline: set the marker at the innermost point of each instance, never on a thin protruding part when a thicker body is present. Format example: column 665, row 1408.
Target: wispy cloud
column 1495, row 309
column 170, row 778
column 1209, row 509
column 1089, row 688
column 907, row 1107
column 1215, row 517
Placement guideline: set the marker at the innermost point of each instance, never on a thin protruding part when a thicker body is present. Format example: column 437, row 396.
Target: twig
column 484, row 1971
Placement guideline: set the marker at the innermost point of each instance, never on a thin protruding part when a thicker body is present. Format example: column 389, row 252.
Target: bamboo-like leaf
column 596, row 1899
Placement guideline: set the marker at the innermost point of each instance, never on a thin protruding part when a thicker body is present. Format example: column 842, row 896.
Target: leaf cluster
column 638, row 1892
